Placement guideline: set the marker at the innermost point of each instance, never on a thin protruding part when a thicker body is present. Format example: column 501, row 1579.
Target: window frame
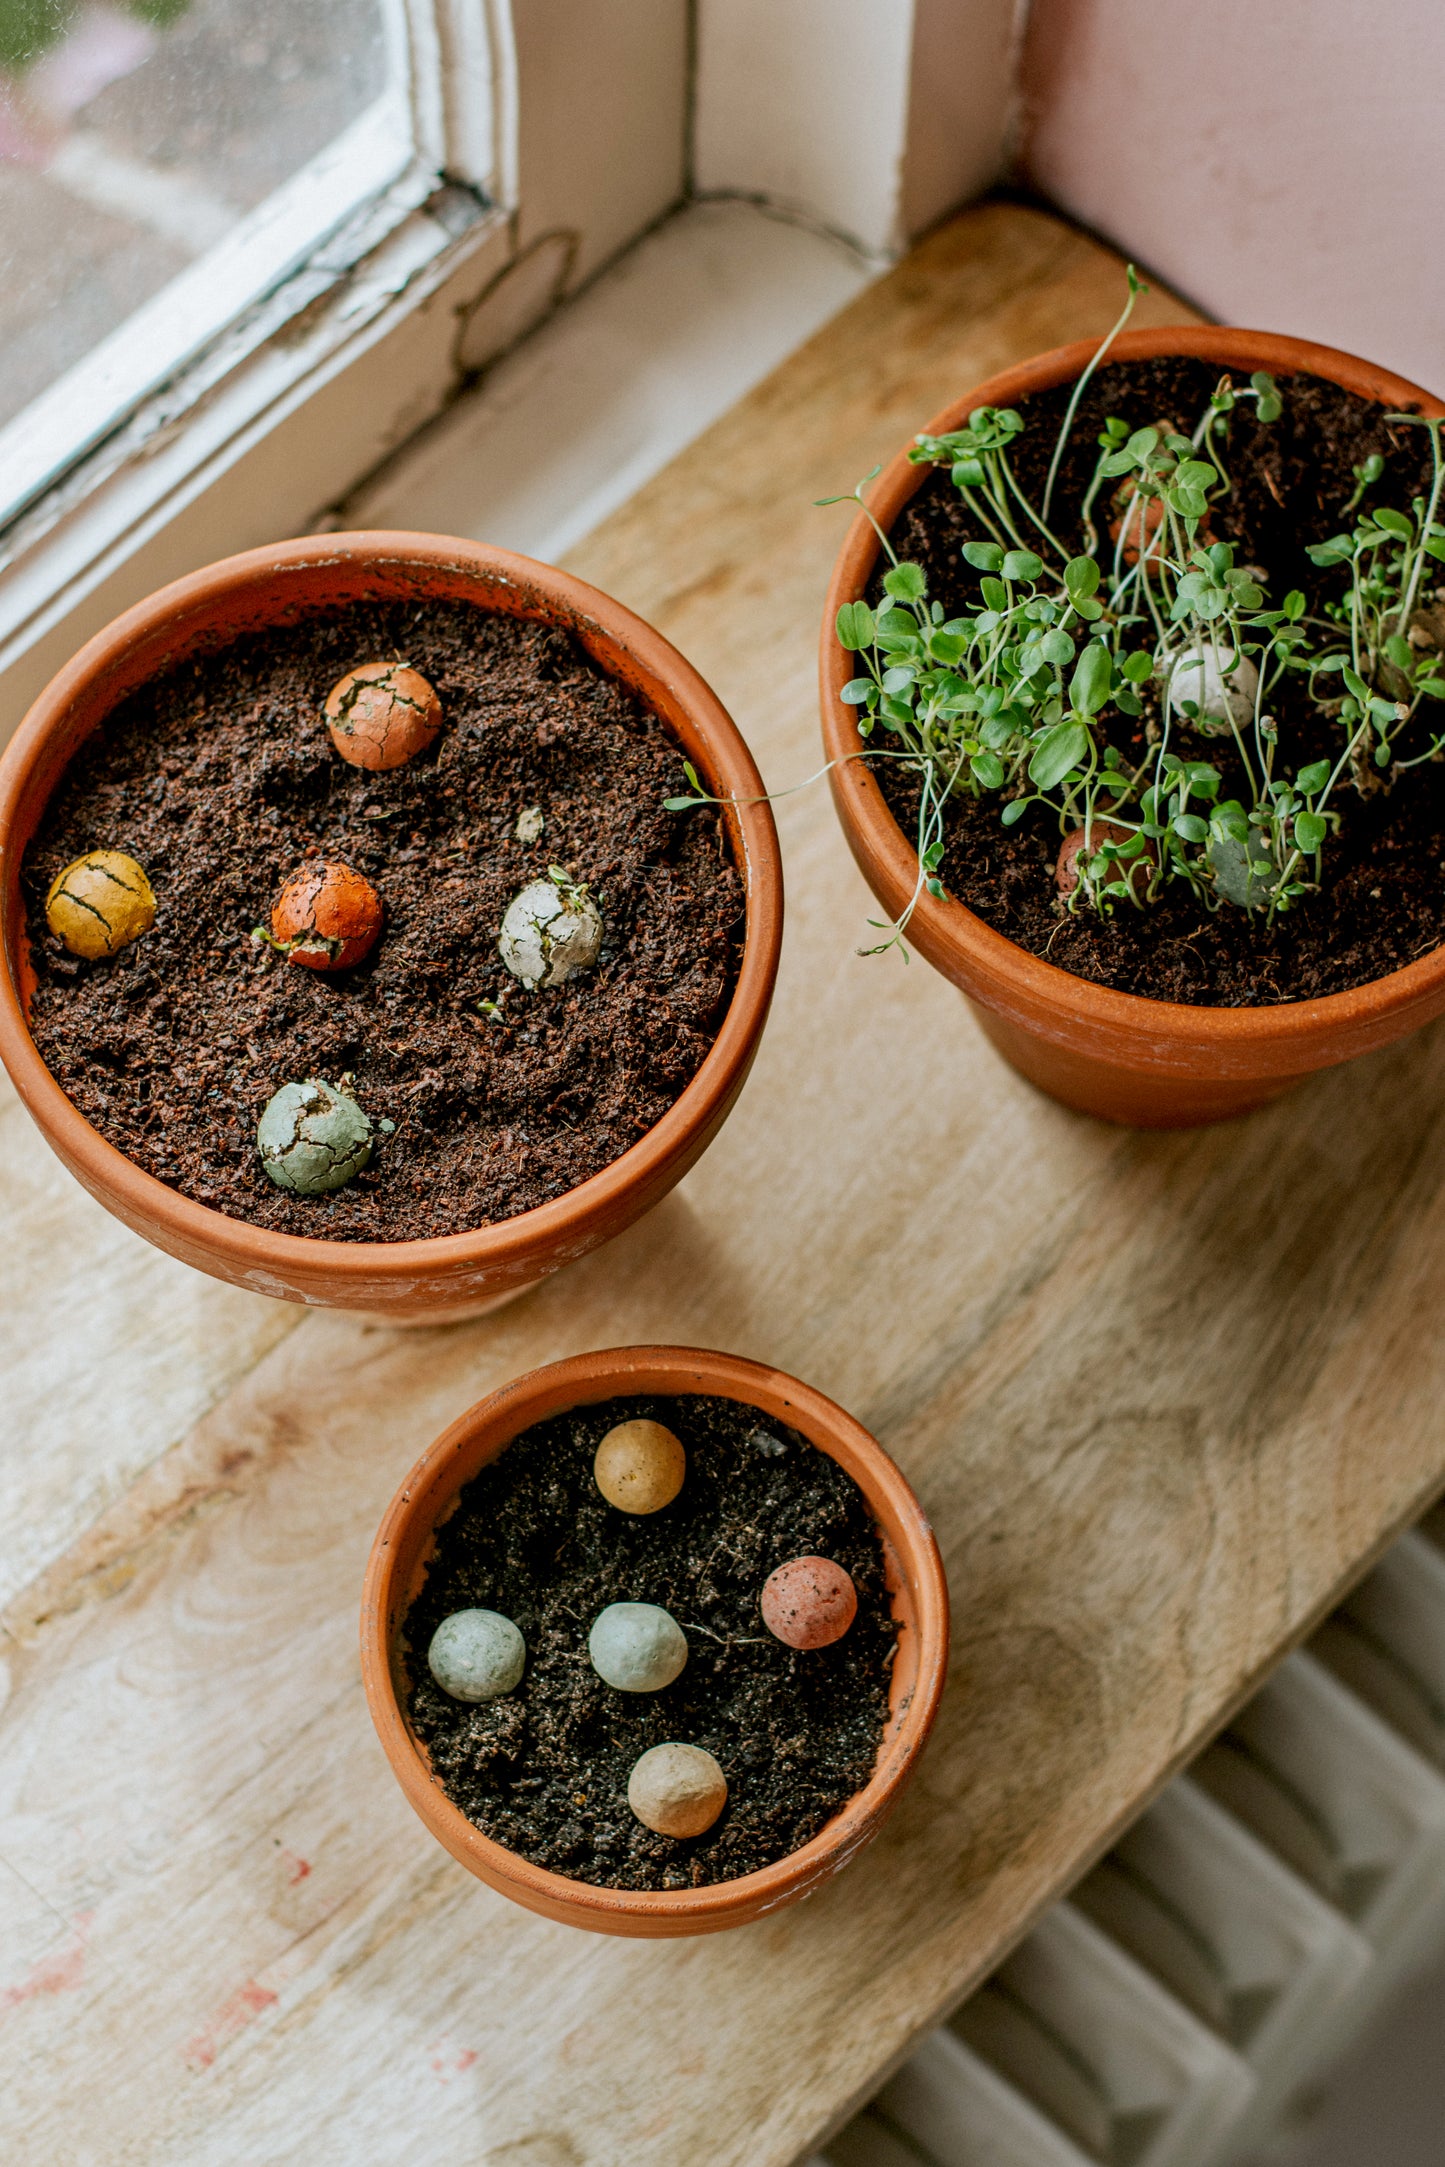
column 412, row 193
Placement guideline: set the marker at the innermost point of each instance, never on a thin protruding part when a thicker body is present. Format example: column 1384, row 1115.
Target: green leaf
column 1059, row 750
column 1188, row 503
column 1057, row 647
column 855, row 626
column 967, row 474
column 1313, row 778
column 1294, row 605
column 1338, row 551
column 1014, row 810
column 680, row 805
column 1310, row 830
column 1356, row 683
column 905, row 582
column 1022, row 564
column 1092, row 680
column 1137, row 667
column 995, row 593
column 1081, row 577
column 1190, row 827
column 855, row 693
column 1395, row 523
column 1195, row 474
column 1400, row 652
column 983, row 556
column 987, row 770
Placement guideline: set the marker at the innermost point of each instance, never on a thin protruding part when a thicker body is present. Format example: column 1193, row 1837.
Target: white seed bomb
column 636, row 1647
column 549, row 934
column 529, row 824
column 312, row 1139
column 677, row 1790
column 1220, row 685
column 477, row 1655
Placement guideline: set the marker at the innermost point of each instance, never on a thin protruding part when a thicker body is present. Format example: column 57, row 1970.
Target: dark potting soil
column 1383, row 899
column 220, row 779
column 544, row 1770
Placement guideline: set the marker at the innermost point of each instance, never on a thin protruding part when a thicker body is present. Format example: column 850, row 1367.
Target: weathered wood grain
column 109, row 1351
column 1163, row 1395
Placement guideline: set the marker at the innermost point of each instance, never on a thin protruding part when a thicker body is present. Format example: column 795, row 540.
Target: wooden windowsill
column 1163, row 1395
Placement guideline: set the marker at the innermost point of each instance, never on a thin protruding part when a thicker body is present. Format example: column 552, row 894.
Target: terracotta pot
column 455, row 1274
column 405, row 1543
column 1156, row 1064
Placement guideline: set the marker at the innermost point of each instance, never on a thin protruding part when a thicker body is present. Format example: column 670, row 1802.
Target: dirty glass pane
column 135, row 134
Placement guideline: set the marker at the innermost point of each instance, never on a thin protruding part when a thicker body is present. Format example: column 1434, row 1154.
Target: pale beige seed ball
column 677, row 1790
column 640, row 1466
column 100, row 904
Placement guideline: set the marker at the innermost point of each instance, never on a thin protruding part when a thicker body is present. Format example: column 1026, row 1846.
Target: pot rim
column 943, row 927
column 544, row 593
column 398, row 1555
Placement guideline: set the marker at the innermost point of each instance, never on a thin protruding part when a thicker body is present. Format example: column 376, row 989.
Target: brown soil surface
column 221, row 779
column 544, row 1769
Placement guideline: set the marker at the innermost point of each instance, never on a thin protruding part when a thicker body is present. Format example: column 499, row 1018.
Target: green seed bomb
column 636, row 1647
column 477, row 1655
column 312, row 1139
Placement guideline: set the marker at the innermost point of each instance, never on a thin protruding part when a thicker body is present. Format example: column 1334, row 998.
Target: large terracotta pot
column 455, row 1274
column 405, row 1543
column 1156, row 1064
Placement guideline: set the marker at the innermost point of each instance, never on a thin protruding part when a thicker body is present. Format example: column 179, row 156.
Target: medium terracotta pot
column 1156, row 1064
column 405, row 1543
column 456, row 1274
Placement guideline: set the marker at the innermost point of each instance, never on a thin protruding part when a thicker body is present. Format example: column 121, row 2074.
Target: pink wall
column 1281, row 162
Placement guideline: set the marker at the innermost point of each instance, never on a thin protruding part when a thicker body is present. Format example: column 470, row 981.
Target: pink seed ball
column 809, row 1602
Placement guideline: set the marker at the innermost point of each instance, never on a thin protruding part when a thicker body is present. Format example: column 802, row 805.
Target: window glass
column 136, row 134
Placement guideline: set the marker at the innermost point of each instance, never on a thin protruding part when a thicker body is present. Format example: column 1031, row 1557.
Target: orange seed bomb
column 382, row 715
column 326, row 917
column 809, row 1602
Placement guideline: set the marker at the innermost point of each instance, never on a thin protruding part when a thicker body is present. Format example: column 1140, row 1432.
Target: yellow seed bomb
column 100, row 904
column 677, row 1790
column 640, row 1466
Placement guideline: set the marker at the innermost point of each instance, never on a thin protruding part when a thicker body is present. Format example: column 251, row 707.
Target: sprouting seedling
column 1073, row 685
column 1366, row 474
column 1136, row 287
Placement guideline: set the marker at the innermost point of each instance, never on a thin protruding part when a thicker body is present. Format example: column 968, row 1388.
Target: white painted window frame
column 419, row 187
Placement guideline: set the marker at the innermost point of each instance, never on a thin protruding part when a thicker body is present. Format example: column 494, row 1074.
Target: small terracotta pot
column 455, row 1274
column 1156, row 1064
column 405, row 1544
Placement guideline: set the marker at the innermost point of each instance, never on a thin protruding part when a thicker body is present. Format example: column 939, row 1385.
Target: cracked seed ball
column 477, row 1655
column 327, row 917
column 548, row 936
column 640, row 1466
column 312, row 1139
column 809, row 1602
column 382, row 715
column 1221, row 685
column 100, row 904
column 1066, row 866
column 636, row 1647
column 677, row 1790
